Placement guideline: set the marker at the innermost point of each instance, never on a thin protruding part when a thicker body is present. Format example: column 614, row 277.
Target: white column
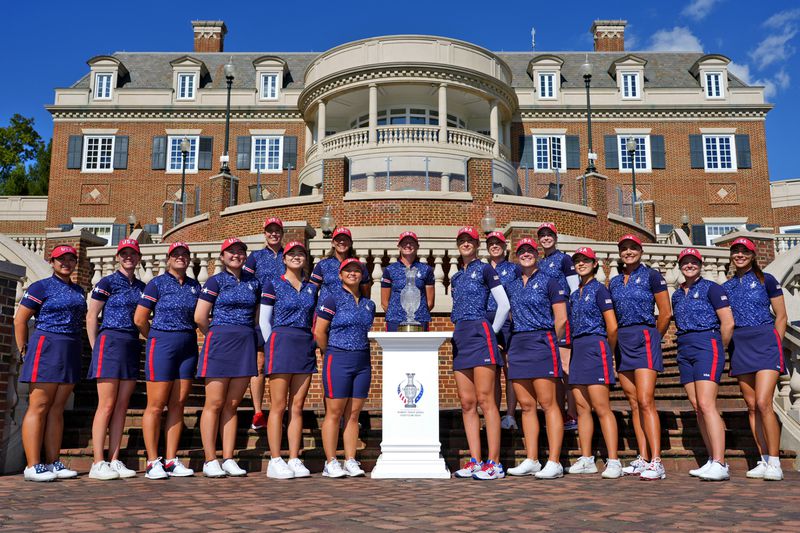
column 371, row 182
column 445, row 183
column 443, row 113
column 373, row 114
column 494, row 127
column 309, row 136
column 320, row 122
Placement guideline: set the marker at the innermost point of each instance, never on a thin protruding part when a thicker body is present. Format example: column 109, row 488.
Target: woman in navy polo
column 343, row 320
column 635, row 291
column 507, row 272
column 326, row 272
column 539, row 307
column 228, row 356
column 267, row 265
column 287, row 311
column 116, row 353
column 594, row 337
column 476, row 355
column 170, row 357
column 757, row 358
column 393, row 282
column 51, row 361
column 705, row 323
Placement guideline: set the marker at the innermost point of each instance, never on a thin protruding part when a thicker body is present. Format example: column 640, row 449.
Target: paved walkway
column 321, row 504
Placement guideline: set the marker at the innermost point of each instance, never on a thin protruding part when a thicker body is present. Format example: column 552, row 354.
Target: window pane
column 542, row 153
column 175, row 162
column 639, row 156
column 266, row 153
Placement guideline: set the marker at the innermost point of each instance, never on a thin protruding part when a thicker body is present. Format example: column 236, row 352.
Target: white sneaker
column 508, row 422
column 298, row 468
column 636, row 467
column 655, row 470
column 613, row 469
column 551, row 470
column 353, row 468
column 120, row 468
column 469, row 468
column 584, row 465
column 212, row 469
column 174, row 468
column 698, row 472
column 39, row 472
column 333, row 468
column 233, row 469
column 155, row 470
column 102, row 470
column 490, row 470
column 278, row 469
column 757, row 472
column 61, row 471
column 773, row 473
column 528, row 467
column 716, row 472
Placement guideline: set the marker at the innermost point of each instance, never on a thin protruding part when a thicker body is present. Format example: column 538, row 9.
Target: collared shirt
column 265, row 264
column 172, row 302
column 58, row 306
column 470, row 288
column 234, row 300
column 326, row 276
column 532, row 302
column 750, row 299
column 586, row 307
column 290, row 307
column 507, row 272
column 696, row 309
column 121, row 295
column 634, row 301
column 350, row 320
column 394, row 277
column 558, row 266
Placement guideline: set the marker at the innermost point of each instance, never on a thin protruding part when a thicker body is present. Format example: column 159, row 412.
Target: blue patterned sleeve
column 386, row 279
column 555, row 292
column 250, row 264
column 268, row 293
column 490, row 277
column 210, row 290
column 603, row 299
column 366, row 278
column 316, row 274
column 567, row 267
column 773, row 287
column 657, row 282
column 327, row 310
column 102, row 291
column 429, row 279
column 150, row 295
column 34, row 297
column 717, row 296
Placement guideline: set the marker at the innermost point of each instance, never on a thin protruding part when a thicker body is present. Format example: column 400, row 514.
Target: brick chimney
column 609, row 35
column 209, row 35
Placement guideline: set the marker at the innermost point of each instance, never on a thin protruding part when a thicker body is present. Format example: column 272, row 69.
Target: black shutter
column 696, row 153
column 743, row 159
column 243, row 152
column 290, row 152
column 205, row 153
column 525, row 151
column 657, row 152
column 75, row 151
column 121, row 152
column 159, row 158
column 610, row 144
column 573, row 151
column 699, row 234
column 118, row 232
column 65, row 227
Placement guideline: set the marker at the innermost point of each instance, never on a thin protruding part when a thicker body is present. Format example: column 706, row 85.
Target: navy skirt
column 228, row 352
column 591, row 363
column 639, row 347
column 52, row 358
column 116, row 355
column 756, row 348
column 290, row 351
column 534, row 354
column 474, row 344
column 700, row 356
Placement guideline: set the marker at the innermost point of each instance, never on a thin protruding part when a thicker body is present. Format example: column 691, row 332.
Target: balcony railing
column 34, row 243
column 786, row 241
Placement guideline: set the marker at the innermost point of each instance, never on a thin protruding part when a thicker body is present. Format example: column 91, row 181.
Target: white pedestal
column 410, row 447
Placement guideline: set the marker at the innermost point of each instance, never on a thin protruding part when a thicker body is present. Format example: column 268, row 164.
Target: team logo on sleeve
column 723, row 298
column 608, row 300
column 696, row 295
column 752, row 284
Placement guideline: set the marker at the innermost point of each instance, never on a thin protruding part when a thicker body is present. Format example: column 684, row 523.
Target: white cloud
column 775, row 48
column 698, row 9
column 678, row 39
column 740, row 71
column 782, row 18
column 772, row 85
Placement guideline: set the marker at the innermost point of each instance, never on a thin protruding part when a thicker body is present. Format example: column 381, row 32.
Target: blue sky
column 46, row 44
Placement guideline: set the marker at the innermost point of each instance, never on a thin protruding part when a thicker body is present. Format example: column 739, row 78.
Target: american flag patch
column 248, row 269
column 209, row 291
column 29, row 297
column 98, row 289
column 267, row 295
column 385, row 280
column 151, row 298
column 327, row 310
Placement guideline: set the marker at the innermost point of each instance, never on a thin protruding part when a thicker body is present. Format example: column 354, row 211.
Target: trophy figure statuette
column 410, row 391
column 410, row 299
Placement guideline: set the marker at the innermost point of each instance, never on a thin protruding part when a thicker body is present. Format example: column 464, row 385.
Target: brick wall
column 10, row 275
column 30, row 227
column 786, row 216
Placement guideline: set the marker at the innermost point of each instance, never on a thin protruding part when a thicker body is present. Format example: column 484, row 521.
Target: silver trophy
column 410, row 299
column 410, row 391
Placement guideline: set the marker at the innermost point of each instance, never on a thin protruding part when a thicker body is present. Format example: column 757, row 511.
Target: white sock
column 774, row 461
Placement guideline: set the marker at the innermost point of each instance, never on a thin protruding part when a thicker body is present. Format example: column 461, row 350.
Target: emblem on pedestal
column 411, row 392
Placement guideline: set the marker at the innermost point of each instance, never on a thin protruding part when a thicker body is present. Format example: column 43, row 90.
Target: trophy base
column 409, row 327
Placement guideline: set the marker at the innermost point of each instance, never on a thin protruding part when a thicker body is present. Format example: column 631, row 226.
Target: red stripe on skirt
column 205, row 354
column 780, row 349
column 715, row 351
column 649, row 350
column 605, row 361
column 555, row 354
column 152, row 349
column 328, row 375
column 100, row 355
column 489, row 342
column 36, row 359
column 271, row 351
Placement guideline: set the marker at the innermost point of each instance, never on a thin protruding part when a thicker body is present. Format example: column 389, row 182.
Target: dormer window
column 630, row 85
column 188, row 74
column 714, row 85
column 102, row 85
column 629, row 72
column 545, row 71
column 269, row 86
column 547, row 85
column 187, row 83
column 711, row 73
column 270, row 73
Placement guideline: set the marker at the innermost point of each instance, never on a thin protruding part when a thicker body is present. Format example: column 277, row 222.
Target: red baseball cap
column 547, row 225
column 629, row 237
column 273, row 220
column 133, row 244
column 230, row 241
column 498, row 235
column 342, row 231
column 58, row 251
column 468, row 230
column 747, row 243
column 293, row 244
column 527, row 240
column 405, row 234
column 586, row 252
column 177, row 244
column 694, row 252
column 349, row 262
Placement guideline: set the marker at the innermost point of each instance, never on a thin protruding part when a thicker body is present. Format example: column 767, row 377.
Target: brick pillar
column 765, row 244
column 223, row 186
column 334, row 181
column 649, row 207
column 171, row 210
column 298, row 230
column 479, row 175
column 597, row 200
column 12, row 457
column 80, row 240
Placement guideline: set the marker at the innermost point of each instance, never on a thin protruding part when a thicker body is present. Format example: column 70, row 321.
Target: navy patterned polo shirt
column 350, row 321
column 586, row 307
column 532, row 302
column 234, row 300
column 291, row 307
column 470, row 288
column 750, row 299
column 172, row 303
column 58, row 306
column 121, row 295
column 634, row 302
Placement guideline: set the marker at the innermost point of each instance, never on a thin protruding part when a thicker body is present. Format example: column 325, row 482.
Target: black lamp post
column 185, row 147
column 229, row 72
column 586, row 72
column 630, row 146
column 131, row 223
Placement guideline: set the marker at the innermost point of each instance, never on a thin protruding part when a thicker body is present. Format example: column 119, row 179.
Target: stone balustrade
column 34, row 243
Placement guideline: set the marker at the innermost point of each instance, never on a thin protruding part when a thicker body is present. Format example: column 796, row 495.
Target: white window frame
column 174, row 141
column 262, row 88
column 795, row 229
column 706, row 160
column 562, row 142
column 623, row 152
column 719, row 85
column 634, row 91
column 547, row 80
column 103, row 91
column 189, row 91
column 721, row 228
column 98, row 165
column 254, row 141
column 104, row 231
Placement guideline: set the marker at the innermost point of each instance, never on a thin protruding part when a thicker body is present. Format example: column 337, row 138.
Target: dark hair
column 757, row 270
column 351, row 252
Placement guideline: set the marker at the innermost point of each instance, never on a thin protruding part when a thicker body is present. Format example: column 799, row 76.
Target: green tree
column 20, row 147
